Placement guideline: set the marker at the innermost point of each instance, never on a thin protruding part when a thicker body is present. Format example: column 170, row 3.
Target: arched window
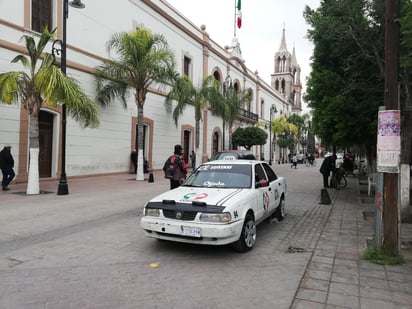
column 217, row 76
column 236, row 87
column 283, row 64
column 277, row 85
column 278, row 65
column 215, row 143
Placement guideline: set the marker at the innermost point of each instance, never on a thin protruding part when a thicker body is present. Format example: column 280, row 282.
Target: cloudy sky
column 261, row 31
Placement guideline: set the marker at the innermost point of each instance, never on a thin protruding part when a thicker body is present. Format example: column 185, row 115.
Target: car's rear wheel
column 280, row 210
column 247, row 237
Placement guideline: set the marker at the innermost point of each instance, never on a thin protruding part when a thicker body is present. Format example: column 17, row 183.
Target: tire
column 280, row 210
column 247, row 237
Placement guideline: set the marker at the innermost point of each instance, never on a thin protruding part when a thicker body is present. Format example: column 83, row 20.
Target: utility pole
column 390, row 180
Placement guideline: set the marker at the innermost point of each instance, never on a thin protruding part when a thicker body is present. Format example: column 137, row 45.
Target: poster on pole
column 389, row 141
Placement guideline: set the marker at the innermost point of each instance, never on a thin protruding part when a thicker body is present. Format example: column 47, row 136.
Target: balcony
column 247, row 115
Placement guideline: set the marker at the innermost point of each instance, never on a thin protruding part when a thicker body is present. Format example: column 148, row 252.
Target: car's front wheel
column 247, row 237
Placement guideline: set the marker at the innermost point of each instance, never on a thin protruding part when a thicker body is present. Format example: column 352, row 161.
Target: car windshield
column 221, row 176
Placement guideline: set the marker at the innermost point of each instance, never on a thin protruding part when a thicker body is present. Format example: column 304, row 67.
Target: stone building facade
column 107, row 149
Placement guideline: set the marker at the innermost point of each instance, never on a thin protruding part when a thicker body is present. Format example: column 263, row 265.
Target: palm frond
column 142, row 59
column 22, row 59
column 9, row 87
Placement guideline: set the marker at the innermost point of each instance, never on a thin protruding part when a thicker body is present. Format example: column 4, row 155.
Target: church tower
column 286, row 76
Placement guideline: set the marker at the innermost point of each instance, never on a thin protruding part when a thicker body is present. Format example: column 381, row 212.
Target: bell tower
column 286, row 76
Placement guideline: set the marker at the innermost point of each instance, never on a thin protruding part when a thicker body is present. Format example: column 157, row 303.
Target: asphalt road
column 87, row 250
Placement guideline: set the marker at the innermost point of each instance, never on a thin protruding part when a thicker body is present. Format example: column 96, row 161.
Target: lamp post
column 284, row 146
column 63, row 188
column 272, row 110
column 227, row 88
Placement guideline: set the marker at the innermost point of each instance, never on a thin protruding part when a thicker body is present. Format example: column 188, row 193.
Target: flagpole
column 234, row 21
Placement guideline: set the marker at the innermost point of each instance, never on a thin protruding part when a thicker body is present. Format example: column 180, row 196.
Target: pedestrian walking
column 294, row 161
column 175, row 168
column 327, row 166
column 193, row 159
column 6, row 166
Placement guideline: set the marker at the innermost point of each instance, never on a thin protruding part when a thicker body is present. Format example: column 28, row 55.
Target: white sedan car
column 220, row 203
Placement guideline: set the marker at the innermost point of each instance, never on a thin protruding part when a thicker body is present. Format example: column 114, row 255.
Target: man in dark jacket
column 327, row 166
column 6, row 166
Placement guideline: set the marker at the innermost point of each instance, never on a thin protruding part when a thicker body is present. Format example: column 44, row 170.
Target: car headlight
column 221, row 218
column 151, row 212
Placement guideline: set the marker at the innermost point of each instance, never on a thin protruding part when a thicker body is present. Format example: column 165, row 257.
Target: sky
column 260, row 35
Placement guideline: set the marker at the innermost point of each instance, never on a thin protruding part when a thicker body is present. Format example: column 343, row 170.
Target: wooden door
column 45, row 144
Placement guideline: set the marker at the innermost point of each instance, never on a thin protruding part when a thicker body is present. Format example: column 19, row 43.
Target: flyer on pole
column 389, row 141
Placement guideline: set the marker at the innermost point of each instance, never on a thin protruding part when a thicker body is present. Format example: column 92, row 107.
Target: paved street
column 86, row 250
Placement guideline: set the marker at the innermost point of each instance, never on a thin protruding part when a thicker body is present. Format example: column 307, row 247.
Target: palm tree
column 282, row 128
column 184, row 92
column 144, row 59
column 233, row 101
column 299, row 122
column 43, row 85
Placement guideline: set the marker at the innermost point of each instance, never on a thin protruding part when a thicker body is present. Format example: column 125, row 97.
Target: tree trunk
column 33, row 186
column 140, row 131
column 197, row 136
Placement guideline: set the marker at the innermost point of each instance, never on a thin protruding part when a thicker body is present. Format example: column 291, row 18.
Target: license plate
column 191, row 231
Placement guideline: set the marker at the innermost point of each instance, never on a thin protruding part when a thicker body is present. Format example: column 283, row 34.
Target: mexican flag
column 239, row 13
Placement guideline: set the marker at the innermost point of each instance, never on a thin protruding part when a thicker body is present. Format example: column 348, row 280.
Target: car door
column 274, row 185
column 265, row 196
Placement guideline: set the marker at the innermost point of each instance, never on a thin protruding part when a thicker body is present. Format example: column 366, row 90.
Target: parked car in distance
column 220, row 203
column 233, row 154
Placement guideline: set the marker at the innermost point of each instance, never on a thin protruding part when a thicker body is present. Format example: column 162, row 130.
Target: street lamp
column 272, row 110
column 63, row 188
column 227, row 89
column 284, row 146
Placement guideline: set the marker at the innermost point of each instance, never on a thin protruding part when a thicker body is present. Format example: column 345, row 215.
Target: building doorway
column 186, row 144
column 45, row 144
column 216, row 142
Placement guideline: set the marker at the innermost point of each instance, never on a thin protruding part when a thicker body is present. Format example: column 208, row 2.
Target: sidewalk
column 80, row 185
column 337, row 276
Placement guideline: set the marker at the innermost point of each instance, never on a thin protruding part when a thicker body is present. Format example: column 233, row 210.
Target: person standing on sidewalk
column 327, row 166
column 193, row 159
column 175, row 168
column 6, row 166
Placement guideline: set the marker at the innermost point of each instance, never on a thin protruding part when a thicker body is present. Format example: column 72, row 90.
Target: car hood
column 209, row 196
